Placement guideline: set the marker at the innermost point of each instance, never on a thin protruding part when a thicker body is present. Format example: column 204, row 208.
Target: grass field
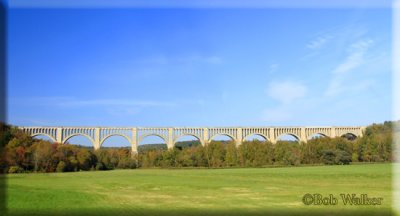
column 247, row 191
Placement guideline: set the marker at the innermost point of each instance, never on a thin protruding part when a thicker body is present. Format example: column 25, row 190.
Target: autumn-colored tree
column 42, row 156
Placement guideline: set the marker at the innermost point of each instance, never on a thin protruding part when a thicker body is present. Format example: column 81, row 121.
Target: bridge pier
column 134, row 145
column 272, row 137
column 239, row 136
column 205, row 136
column 59, row 135
column 333, row 132
column 303, row 137
column 170, row 141
column 96, row 143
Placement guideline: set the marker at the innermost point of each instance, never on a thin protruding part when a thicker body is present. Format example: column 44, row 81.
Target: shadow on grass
column 191, row 212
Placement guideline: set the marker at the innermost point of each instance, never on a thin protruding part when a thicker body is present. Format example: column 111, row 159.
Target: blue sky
column 199, row 67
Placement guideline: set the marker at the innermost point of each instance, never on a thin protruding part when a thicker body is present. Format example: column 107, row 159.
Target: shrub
column 131, row 163
column 331, row 157
column 100, row 166
column 15, row 169
column 61, row 166
column 328, row 157
column 342, row 157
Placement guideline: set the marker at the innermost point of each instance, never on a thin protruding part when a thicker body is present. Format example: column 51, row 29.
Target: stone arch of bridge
column 152, row 134
column 318, row 133
column 116, row 134
column 290, row 134
column 43, row 134
column 79, row 134
column 347, row 134
column 188, row 134
column 259, row 134
column 222, row 134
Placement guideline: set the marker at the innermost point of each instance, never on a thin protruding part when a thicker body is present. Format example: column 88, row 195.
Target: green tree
column 85, row 159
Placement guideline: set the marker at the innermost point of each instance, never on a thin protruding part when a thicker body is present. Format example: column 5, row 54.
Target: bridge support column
column 205, row 136
column 272, row 137
column 134, row 149
column 303, row 136
column 96, row 138
column 59, row 135
column 239, row 136
column 170, row 141
column 333, row 132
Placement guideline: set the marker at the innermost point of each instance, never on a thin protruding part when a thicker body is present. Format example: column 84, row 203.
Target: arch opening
column 152, row 142
column 349, row 136
column 187, row 141
column 115, row 141
column 317, row 136
column 255, row 137
column 80, row 141
column 44, row 137
column 222, row 138
column 291, row 138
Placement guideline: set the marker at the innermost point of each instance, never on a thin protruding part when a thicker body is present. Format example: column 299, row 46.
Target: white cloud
column 355, row 58
column 286, row 91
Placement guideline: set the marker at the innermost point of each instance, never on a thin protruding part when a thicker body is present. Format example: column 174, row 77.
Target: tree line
column 22, row 153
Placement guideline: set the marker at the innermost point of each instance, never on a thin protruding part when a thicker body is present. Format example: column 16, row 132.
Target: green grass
column 248, row 191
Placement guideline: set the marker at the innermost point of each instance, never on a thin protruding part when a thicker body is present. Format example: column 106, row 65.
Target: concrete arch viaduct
column 97, row 135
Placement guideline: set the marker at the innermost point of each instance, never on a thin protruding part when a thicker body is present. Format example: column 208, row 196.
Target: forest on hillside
column 22, row 153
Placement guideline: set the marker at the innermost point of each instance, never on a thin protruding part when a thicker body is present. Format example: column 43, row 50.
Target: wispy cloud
column 286, row 91
column 355, row 58
column 319, row 42
column 334, row 39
